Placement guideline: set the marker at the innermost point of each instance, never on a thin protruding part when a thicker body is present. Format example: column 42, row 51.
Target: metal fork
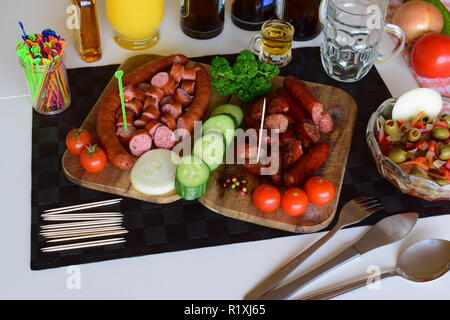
column 353, row 211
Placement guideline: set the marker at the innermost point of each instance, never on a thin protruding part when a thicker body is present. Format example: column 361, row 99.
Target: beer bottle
column 202, row 19
column 303, row 15
column 87, row 34
column 251, row 14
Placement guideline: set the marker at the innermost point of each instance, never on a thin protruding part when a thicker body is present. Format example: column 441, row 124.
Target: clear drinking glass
column 352, row 34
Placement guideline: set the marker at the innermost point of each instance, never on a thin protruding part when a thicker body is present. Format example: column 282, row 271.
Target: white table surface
column 223, row 272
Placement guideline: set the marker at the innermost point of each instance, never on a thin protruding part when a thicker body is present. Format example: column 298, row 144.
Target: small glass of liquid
column 274, row 43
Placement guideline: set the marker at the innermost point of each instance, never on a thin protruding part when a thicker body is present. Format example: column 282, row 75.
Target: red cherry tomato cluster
column 294, row 201
column 92, row 157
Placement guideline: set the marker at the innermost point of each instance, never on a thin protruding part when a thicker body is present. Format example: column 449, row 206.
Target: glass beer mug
column 352, row 34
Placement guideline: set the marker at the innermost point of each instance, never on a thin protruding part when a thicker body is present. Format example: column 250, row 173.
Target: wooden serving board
column 227, row 202
column 344, row 111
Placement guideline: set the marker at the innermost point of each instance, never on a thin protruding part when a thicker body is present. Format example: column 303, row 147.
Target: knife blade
column 386, row 231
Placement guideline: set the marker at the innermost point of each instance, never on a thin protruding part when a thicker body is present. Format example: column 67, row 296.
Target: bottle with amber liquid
column 251, row 14
column 87, row 36
column 202, row 19
column 303, row 15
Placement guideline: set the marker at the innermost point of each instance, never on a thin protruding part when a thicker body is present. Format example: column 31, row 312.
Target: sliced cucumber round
column 223, row 123
column 232, row 110
column 191, row 178
column 211, row 149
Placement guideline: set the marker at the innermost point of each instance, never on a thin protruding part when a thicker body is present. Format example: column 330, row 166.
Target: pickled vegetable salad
column 421, row 147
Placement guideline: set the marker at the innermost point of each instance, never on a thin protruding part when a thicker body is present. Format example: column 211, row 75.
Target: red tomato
column 430, row 56
column 294, row 201
column 93, row 158
column 320, row 191
column 77, row 139
column 266, row 198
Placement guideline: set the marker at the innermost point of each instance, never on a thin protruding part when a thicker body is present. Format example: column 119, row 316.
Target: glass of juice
column 135, row 22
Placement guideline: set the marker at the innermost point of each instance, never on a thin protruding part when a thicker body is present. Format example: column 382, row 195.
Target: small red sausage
column 326, row 122
column 152, row 126
column 287, row 137
column 295, row 110
column 189, row 74
column 140, row 142
column 144, row 86
column 142, row 121
column 292, row 153
column 308, row 129
column 135, row 106
column 152, row 112
column 125, row 135
column 277, row 104
column 188, row 86
column 160, row 79
column 166, row 99
column 164, row 138
column 129, row 115
column 150, row 102
column 182, row 97
column 168, row 120
column 276, row 121
column 174, row 109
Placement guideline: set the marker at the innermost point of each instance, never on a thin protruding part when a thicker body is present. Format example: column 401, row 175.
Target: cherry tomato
column 77, row 139
column 320, row 191
column 266, row 198
column 430, row 56
column 93, row 158
column 294, row 201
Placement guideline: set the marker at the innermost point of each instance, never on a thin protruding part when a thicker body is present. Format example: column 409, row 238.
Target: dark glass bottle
column 303, row 15
column 251, row 14
column 202, row 19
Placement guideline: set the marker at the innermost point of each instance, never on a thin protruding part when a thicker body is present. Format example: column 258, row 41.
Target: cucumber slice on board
column 191, row 178
column 232, row 110
column 222, row 123
column 211, row 149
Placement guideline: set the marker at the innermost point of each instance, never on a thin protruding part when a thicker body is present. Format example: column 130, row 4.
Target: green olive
column 441, row 181
column 413, row 135
column 425, row 118
column 417, row 173
column 441, row 133
column 391, row 127
column 446, row 117
column 397, row 155
column 445, row 153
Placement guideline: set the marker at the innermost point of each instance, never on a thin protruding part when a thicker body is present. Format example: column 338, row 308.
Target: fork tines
column 370, row 204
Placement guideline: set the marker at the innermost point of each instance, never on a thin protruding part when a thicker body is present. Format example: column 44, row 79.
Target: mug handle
column 255, row 44
column 322, row 11
column 398, row 33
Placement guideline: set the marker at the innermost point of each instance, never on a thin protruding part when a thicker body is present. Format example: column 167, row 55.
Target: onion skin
column 418, row 17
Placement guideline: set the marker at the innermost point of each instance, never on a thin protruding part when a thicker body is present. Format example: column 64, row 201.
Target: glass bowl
column 409, row 184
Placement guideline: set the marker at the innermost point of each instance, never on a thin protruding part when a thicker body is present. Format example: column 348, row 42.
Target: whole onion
column 417, row 17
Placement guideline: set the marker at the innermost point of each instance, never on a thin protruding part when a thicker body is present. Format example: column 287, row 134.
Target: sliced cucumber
column 211, row 149
column 223, row 123
column 232, row 110
column 191, row 178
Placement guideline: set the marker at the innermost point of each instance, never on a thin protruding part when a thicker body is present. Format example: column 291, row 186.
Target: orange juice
column 135, row 21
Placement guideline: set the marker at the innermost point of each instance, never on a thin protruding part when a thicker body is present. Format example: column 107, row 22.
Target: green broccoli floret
column 248, row 78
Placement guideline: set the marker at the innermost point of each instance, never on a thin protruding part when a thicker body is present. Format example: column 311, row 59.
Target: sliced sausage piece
column 182, row 97
column 129, row 115
column 292, row 153
column 166, row 99
column 189, row 74
column 152, row 113
column 176, row 72
column 256, row 109
column 308, row 129
column 168, row 120
column 125, row 135
column 164, row 138
column 142, row 121
column 295, row 110
column 188, row 86
column 140, row 143
column 276, row 121
column 144, row 86
column 277, row 104
column 174, row 109
column 150, row 102
column 287, row 137
column 152, row 126
column 160, row 79
column 326, row 122
column 135, row 106
column 155, row 93
column 130, row 92
column 170, row 87
column 306, row 165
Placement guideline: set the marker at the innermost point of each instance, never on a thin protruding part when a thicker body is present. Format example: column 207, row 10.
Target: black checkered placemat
column 183, row 225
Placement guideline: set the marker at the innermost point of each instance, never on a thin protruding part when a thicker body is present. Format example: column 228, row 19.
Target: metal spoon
column 423, row 261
